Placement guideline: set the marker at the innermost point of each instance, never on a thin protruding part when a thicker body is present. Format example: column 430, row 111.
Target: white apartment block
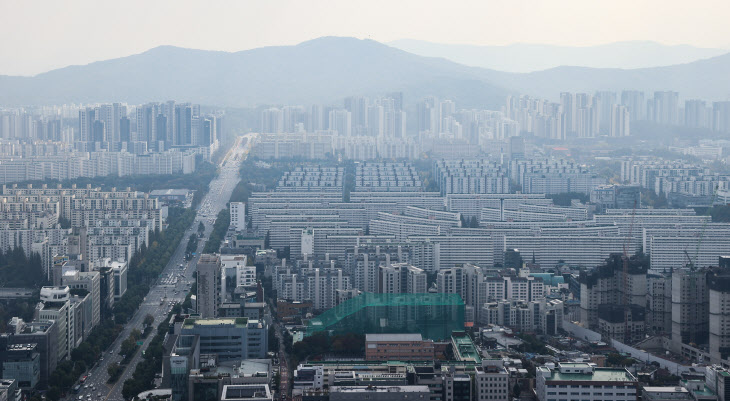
column 402, row 278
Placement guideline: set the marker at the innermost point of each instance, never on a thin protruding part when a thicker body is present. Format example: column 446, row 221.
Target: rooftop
column 169, row 192
column 465, row 348
column 379, row 389
column 239, row 322
column 596, row 375
column 394, row 337
column 665, row 389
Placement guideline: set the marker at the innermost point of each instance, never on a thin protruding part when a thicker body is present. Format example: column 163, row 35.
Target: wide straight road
column 174, row 283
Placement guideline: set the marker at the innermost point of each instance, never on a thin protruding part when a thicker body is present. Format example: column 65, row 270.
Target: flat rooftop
column 238, row 322
column 394, row 337
column 379, row 389
column 598, row 375
column 169, row 192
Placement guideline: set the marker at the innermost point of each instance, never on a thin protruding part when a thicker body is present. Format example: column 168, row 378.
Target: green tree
column 148, row 320
column 53, row 394
column 113, row 370
column 128, row 347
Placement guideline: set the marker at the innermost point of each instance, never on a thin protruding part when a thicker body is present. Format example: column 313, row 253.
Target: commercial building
column 399, row 347
column 616, row 197
column 22, row 363
column 42, row 333
column 584, row 381
column 246, row 392
column 384, row 393
column 238, row 216
column 56, row 306
column 230, row 339
column 209, row 285
column 491, row 382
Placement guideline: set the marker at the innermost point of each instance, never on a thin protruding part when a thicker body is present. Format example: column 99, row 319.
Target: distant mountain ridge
column 321, row 70
column 524, row 57
column 326, row 70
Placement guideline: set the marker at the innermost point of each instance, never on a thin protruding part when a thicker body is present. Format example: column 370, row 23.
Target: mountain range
column 525, row 57
column 325, row 70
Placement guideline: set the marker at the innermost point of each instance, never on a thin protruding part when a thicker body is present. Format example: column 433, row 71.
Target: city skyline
column 234, row 26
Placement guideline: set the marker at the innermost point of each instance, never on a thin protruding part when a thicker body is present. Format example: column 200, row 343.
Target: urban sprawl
column 370, row 250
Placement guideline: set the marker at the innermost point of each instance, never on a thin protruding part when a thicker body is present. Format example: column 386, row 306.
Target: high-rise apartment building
column 209, row 285
column 402, row 278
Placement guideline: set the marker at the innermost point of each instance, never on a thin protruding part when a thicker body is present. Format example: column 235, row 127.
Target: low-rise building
column 384, row 393
column 22, row 363
column 575, row 381
column 230, row 339
column 401, row 347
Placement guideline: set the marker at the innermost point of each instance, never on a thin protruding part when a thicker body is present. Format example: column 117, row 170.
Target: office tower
column 341, row 121
column 56, row 305
column 238, row 215
column 665, row 108
column 620, row 118
column 209, row 285
column 229, row 339
column 696, row 114
column 634, row 101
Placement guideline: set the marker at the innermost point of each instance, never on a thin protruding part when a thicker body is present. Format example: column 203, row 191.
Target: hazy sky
column 39, row 35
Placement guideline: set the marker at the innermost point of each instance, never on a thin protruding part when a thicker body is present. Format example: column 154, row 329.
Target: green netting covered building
column 434, row 316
